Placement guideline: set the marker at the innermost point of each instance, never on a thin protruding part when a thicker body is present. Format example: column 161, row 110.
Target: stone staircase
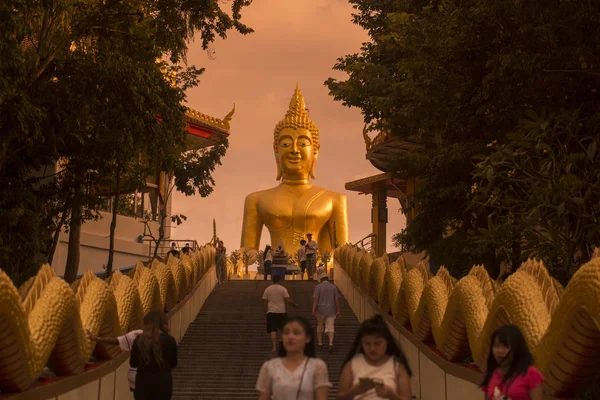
column 223, row 349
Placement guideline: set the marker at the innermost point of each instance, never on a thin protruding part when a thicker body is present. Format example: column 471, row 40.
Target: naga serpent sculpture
column 44, row 322
column 561, row 325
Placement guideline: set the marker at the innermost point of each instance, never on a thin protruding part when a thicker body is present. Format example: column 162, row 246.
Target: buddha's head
column 296, row 142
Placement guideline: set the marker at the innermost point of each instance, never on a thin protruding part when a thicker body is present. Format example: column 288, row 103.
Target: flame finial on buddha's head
column 297, row 117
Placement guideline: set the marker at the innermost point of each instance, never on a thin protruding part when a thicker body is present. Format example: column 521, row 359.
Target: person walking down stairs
column 296, row 374
column 275, row 297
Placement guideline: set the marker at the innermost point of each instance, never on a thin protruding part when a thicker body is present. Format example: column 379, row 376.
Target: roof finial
column 228, row 118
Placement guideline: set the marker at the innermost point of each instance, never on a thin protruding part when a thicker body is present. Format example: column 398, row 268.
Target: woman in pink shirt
column 510, row 372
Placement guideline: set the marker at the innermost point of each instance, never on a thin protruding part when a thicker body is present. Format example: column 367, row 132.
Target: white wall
column 95, row 244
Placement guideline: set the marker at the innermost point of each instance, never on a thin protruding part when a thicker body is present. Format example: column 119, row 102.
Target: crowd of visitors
column 375, row 367
column 306, row 256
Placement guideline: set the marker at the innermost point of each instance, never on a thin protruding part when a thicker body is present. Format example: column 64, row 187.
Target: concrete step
column 223, row 349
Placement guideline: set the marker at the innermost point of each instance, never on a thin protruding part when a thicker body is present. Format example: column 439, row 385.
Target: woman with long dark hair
column 375, row 367
column 296, row 374
column 510, row 373
column 268, row 257
column 154, row 354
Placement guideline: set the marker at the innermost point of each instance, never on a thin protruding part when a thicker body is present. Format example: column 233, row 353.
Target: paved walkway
column 221, row 353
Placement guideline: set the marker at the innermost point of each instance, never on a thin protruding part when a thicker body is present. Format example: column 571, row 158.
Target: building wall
column 95, row 237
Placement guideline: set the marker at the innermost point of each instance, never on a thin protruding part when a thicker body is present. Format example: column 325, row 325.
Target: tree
column 543, row 186
column 101, row 53
column 191, row 174
column 104, row 136
column 234, row 258
column 458, row 76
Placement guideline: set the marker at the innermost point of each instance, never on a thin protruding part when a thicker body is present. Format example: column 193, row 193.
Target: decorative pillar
column 379, row 218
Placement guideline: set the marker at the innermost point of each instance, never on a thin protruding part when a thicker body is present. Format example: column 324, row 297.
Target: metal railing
column 367, row 242
column 164, row 246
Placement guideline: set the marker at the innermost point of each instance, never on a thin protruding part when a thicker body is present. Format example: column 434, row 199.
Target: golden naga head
column 296, row 140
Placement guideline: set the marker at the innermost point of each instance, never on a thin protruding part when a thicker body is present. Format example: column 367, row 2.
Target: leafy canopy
column 458, row 76
column 81, row 82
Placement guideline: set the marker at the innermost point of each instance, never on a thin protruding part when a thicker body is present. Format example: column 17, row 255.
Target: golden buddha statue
column 295, row 207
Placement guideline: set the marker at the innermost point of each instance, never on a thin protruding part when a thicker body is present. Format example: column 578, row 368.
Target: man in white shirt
column 274, row 300
column 311, row 255
column 302, row 257
column 125, row 343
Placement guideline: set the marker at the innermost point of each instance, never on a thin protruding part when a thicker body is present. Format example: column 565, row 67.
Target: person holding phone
column 375, row 367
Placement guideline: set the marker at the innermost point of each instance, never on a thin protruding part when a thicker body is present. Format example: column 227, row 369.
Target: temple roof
column 212, row 123
column 395, row 186
column 201, row 128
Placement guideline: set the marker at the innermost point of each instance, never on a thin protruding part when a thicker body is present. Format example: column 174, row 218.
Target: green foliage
column 234, row 258
column 544, row 185
column 80, row 83
column 458, row 76
column 193, row 168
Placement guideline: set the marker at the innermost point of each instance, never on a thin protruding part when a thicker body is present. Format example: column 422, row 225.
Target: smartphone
column 366, row 381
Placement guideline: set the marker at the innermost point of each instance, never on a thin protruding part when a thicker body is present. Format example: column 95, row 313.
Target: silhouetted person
column 174, row 251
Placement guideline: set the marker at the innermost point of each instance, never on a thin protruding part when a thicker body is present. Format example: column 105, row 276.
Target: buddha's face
column 295, row 153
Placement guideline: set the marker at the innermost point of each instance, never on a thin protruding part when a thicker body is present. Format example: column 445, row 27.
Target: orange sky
column 294, row 41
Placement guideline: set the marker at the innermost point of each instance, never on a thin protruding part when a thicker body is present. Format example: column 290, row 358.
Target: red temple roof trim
column 202, row 127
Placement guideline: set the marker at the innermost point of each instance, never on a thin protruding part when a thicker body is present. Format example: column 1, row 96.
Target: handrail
column 180, row 244
column 367, row 240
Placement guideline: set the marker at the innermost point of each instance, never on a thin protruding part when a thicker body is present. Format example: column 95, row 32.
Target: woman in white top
column 296, row 374
column 375, row 367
